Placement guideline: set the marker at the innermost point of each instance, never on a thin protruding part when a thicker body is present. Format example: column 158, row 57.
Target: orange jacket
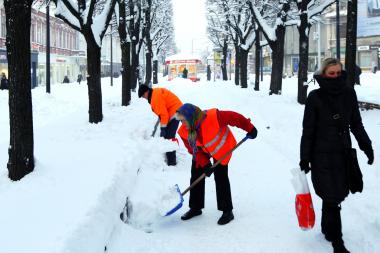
column 213, row 139
column 164, row 103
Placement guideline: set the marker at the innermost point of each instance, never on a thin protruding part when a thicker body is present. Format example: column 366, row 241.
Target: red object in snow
column 305, row 211
column 175, row 140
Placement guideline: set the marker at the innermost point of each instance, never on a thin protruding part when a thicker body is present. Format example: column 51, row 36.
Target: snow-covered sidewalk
column 84, row 172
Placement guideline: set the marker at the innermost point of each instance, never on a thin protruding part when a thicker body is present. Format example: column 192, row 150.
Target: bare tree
column 146, row 30
column 134, row 30
column 218, row 31
column 274, row 32
column 309, row 12
column 90, row 18
column 125, row 46
column 162, row 30
column 21, row 144
column 241, row 22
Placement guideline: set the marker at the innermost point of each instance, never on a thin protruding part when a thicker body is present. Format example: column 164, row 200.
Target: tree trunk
column 21, row 144
column 224, row 61
column 155, row 71
column 135, row 66
column 277, row 61
column 243, row 68
column 350, row 61
column 125, row 57
column 237, row 64
column 148, row 68
column 148, row 54
column 126, row 74
column 93, row 80
column 303, row 30
column 257, row 60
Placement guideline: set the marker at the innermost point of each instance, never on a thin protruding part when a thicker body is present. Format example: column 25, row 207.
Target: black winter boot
column 226, row 217
column 191, row 213
column 331, row 223
column 171, row 158
column 339, row 247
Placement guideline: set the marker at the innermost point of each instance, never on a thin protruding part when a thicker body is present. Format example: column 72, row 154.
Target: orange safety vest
column 165, row 104
column 216, row 140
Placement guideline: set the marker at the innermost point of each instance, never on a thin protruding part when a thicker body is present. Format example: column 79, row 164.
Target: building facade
column 368, row 39
column 66, row 57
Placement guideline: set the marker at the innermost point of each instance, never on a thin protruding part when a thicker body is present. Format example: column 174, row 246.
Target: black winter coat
column 325, row 141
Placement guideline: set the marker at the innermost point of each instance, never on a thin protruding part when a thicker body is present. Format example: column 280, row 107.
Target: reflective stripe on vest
column 217, row 140
column 221, row 143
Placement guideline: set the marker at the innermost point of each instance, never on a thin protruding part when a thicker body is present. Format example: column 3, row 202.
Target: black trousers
column 171, row 130
column 222, row 185
column 331, row 223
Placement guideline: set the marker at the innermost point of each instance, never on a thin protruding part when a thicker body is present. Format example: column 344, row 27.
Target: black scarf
column 333, row 86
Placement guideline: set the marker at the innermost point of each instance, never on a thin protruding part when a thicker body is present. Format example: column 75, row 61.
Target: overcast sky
column 190, row 25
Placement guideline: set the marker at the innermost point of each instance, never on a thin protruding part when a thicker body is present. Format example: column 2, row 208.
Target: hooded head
column 192, row 116
column 142, row 89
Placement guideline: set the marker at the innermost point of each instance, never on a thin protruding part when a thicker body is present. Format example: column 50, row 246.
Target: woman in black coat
column 330, row 113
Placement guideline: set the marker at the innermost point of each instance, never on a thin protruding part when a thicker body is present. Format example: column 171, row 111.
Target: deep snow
column 84, row 173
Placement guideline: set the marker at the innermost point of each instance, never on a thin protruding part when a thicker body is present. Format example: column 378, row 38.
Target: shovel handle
column 201, row 177
column 155, row 127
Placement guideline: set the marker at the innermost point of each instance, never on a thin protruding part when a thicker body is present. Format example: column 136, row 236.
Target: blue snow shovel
column 179, row 205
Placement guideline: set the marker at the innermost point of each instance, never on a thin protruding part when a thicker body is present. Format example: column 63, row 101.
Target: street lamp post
column 319, row 43
column 111, row 58
column 47, row 47
column 337, row 31
column 317, row 38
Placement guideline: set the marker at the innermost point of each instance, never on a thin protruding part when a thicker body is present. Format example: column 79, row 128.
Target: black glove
column 304, row 165
column 369, row 154
column 252, row 134
column 208, row 170
column 163, row 132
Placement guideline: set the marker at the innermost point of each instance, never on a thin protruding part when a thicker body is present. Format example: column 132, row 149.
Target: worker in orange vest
column 206, row 134
column 164, row 104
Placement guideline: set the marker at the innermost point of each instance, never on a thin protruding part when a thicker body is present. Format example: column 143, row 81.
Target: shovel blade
column 176, row 196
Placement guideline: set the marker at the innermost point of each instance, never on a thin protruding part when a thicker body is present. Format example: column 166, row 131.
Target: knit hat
column 194, row 116
column 142, row 89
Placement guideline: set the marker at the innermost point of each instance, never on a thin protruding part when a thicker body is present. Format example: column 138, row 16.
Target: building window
column 342, row 30
column 33, row 32
column 365, row 59
column 52, row 38
column 3, row 24
column 43, row 33
column 60, row 38
column 57, row 35
column 38, row 32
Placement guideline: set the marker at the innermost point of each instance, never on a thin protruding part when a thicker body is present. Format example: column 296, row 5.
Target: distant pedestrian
column 66, row 80
column 185, row 72
column 374, row 67
column 79, row 79
column 208, row 73
column 4, row 82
